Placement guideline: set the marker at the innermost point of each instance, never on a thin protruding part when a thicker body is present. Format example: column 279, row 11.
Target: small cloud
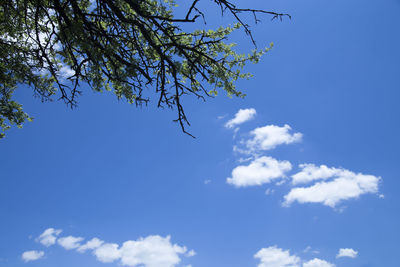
column 268, row 137
column 241, row 116
column 70, row 242
column 307, row 249
column 242, row 160
column 276, row 257
column 222, row 117
column 347, row 252
column 281, row 182
column 49, row 237
column 260, row 171
column 318, row 263
column 191, row 253
column 207, row 181
column 269, row 191
column 32, row 255
column 66, row 72
column 382, row 196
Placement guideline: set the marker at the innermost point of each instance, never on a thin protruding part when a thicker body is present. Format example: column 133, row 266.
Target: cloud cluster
column 320, row 184
column 277, row 257
column 151, row 251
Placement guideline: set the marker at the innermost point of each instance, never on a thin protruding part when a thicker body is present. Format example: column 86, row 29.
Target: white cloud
column 32, row 255
column 269, row 191
column 70, row 242
column 260, row 171
column 241, row 116
column 191, row 253
column 91, row 244
column 269, row 137
column 310, row 172
column 347, row 252
column 207, row 181
column 345, row 185
column 49, row 237
column 107, row 252
column 66, row 71
column 152, row 251
column 318, row 263
column 276, row 257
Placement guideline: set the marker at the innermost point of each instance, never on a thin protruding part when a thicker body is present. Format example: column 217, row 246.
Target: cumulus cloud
column 49, row 236
column 91, row 244
column 276, row 257
column 152, row 251
column 107, row 252
column 241, row 116
column 347, row 252
column 269, row 137
column 70, row 242
column 310, row 172
column 32, row 255
column 260, row 171
column 343, row 185
column 318, row 263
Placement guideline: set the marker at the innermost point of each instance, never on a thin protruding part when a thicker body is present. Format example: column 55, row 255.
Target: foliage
column 124, row 46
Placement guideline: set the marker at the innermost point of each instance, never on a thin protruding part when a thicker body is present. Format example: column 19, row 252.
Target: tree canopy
column 129, row 47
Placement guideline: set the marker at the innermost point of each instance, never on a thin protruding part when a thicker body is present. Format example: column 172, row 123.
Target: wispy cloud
column 91, row 244
column 70, row 242
column 32, row 255
column 260, row 171
column 49, row 237
column 241, row 116
column 347, row 252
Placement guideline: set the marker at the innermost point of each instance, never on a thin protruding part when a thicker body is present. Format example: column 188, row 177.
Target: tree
column 124, row 46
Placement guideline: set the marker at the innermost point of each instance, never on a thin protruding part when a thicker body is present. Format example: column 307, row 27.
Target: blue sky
column 306, row 174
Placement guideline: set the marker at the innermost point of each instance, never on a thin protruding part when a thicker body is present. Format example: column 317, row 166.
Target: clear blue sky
column 111, row 171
